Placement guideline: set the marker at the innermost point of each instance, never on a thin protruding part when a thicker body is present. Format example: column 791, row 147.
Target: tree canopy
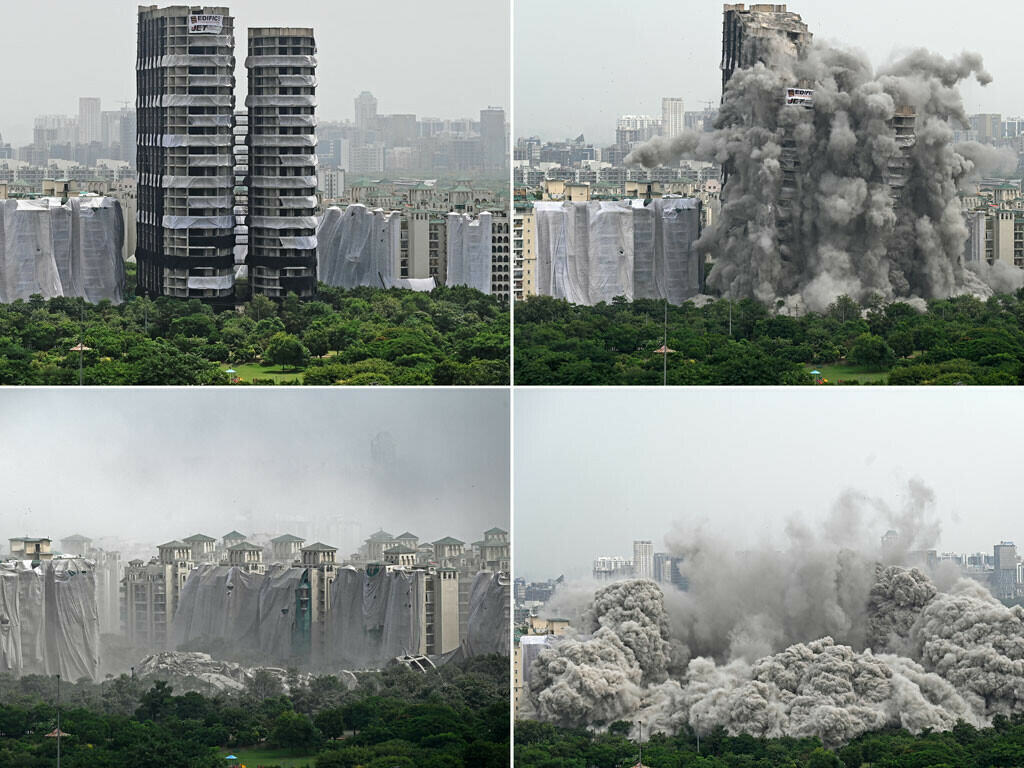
column 364, row 335
column 962, row 340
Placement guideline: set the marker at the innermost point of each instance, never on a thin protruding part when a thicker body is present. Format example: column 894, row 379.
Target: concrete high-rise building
column 493, row 138
column 129, row 129
column 1004, row 580
column 150, row 593
column 501, row 256
column 673, row 117
column 643, row 560
column 610, row 568
column 184, row 109
column 366, row 110
column 282, row 161
column 635, row 129
column 441, row 611
column 755, row 34
column 90, row 120
column 320, row 562
column 989, row 126
column 524, row 254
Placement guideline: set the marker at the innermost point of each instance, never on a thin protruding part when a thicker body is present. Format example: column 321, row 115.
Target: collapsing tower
column 770, row 34
column 282, row 251
column 185, row 98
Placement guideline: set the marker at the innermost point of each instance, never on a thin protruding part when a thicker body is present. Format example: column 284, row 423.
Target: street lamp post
column 58, row 721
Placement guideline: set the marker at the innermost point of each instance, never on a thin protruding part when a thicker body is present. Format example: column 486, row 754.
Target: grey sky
column 579, row 64
column 445, row 58
column 596, row 469
column 153, row 465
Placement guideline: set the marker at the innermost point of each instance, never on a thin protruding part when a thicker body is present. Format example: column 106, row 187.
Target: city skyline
column 638, row 473
column 684, row 58
column 344, row 56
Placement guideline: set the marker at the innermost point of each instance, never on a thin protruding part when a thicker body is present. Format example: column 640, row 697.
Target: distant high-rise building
column 643, row 560
column 634, row 129
column 184, row 108
column 366, row 110
column 1004, row 580
column 282, row 161
column 989, row 126
column 90, row 120
column 129, row 128
column 609, row 568
column 673, row 117
column 1013, row 127
column 493, row 137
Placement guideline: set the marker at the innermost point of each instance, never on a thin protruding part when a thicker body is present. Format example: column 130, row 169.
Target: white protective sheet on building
column 73, row 250
column 589, row 252
column 489, row 622
column 374, row 618
column 420, row 284
column 49, row 621
column 220, row 602
column 469, row 251
column 358, row 246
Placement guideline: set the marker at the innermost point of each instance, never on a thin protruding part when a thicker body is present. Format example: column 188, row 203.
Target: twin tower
column 213, row 182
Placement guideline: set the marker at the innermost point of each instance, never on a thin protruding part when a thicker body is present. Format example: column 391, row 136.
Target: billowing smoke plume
column 903, row 654
column 841, row 198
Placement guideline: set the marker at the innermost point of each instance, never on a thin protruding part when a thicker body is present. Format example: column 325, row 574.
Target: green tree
column 286, row 350
column 295, row 732
column 871, row 350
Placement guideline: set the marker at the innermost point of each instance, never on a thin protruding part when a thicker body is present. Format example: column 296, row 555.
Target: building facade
column 282, row 161
column 184, row 106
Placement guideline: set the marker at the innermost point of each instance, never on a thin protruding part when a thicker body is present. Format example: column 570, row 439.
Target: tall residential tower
column 282, row 161
column 185, row 99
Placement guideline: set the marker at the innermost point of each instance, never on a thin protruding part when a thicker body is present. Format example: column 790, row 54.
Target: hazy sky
column 596, row 469
column 444, row 58
column 154, row 465
column 579, row 64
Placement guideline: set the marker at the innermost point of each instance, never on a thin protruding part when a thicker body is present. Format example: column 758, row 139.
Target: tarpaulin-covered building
column 250, row 611
column 591, row 252
column 358, row 246
column 71, row 249
column 469, row 251
column 489, row 616
column 49, row 622
column 375, row 615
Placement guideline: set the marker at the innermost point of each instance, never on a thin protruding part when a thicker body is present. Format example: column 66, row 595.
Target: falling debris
column 815, row 641
column 840, row 179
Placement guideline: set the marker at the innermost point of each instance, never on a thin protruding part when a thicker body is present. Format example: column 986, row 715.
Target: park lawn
column 280, row 758
column 848, row 372
column 250, row 371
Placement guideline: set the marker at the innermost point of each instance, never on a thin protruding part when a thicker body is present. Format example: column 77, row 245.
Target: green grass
column 250, row 371
column 251, row 758
column 845, row 371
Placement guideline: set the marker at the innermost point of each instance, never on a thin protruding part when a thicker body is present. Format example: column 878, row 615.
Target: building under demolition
column 282, row 254
column 185, row 109
column 591, row 252
column 68, row 247
column 759, row 34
